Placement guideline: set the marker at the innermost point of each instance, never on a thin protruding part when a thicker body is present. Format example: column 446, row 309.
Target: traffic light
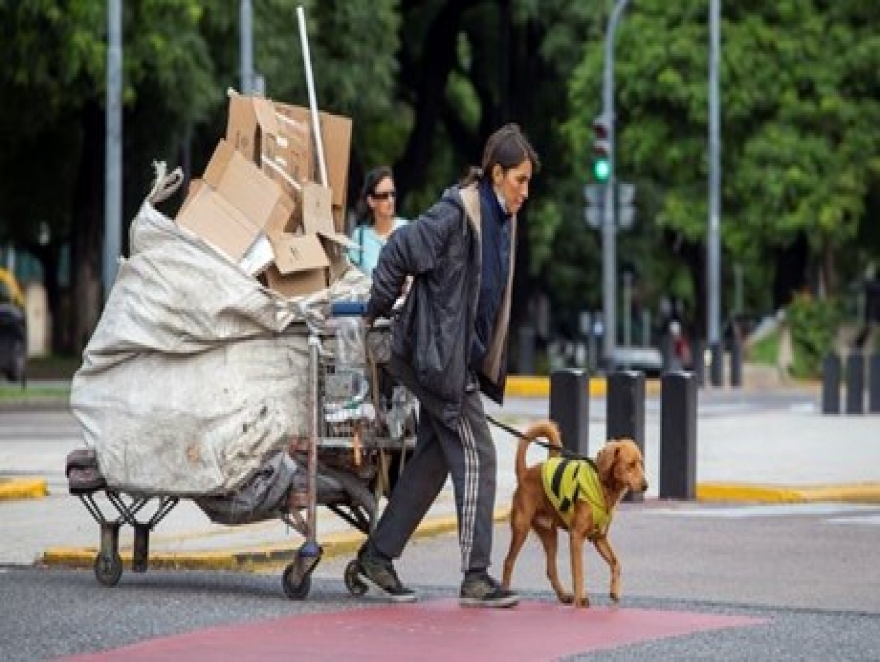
column 601, row 148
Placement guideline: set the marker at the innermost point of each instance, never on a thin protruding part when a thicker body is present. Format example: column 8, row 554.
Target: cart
column 360, row 429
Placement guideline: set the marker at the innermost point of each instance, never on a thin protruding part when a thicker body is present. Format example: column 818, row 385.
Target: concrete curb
column 262, row 559
column 23, row 488
column 745, row 492
column 539, row 387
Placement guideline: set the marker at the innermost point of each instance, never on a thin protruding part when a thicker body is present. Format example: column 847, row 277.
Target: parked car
column 13, row 329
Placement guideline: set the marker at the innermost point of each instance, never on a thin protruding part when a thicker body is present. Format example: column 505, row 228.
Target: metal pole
column 113, row 147
column 313, row 104
column 609, row 271
column 627, row 308
column 246, row 46
column 714, row 239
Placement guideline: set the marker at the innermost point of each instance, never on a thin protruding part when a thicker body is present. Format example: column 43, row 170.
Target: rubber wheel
column 293, row 589
column 353, row 581
column 108, row 569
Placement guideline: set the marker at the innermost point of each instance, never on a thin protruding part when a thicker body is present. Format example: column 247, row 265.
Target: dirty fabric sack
column 195, row 374
column 263, row 496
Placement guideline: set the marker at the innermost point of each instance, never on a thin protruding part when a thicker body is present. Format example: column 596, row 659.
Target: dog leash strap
column 564, row 452
column 506, row 428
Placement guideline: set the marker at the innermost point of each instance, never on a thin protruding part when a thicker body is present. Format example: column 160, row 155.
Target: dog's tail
column 546, row 429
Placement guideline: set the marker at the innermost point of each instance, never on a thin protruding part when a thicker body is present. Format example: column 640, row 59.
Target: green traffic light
column 601, row 170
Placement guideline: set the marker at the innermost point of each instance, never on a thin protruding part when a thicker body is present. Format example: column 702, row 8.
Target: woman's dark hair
column 507, row 147
column 363, row 213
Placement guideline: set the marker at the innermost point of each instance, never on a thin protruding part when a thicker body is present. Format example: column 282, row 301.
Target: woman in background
column 376, row 218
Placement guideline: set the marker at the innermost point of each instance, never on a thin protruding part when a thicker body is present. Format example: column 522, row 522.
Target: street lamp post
column 608, row 226
column 246, row 46
column 113, row 147
column 714, row 241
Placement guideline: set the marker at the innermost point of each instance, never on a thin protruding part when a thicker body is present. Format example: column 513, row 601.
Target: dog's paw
column 582, row 602
column 565, row 598
column 615, row 597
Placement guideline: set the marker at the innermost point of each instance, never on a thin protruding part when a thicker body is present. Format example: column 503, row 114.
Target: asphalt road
column 806, row 575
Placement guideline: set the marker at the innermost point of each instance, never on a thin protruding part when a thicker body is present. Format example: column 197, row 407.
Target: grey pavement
column 788, row 452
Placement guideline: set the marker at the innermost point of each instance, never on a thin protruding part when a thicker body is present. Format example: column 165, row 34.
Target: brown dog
column 555, row 494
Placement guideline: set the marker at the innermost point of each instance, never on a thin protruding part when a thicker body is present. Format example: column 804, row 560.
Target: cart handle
column 348, row 309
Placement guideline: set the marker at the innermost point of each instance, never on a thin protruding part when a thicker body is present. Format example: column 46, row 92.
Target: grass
column 52, row 368
column 13, row 393
column 765, row 351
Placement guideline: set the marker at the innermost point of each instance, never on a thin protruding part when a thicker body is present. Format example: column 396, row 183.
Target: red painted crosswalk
column 431, row 630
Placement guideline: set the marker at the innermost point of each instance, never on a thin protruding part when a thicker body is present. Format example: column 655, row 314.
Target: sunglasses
column 384, row 195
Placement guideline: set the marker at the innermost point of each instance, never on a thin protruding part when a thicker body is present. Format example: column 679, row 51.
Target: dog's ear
column 607, row 457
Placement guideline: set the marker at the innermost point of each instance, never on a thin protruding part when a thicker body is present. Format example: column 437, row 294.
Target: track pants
column 467, row 453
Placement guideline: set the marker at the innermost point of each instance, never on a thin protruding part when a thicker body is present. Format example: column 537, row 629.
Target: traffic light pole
column 609, row 268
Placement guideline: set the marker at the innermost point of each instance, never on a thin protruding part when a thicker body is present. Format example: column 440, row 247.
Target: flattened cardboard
column 279, row 146
column 336, row 137
column 318, row 217
column 301, row 266
column 234, row 204
column 211, row 217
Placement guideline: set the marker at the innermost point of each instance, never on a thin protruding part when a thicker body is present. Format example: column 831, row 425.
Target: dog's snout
column 644, row 485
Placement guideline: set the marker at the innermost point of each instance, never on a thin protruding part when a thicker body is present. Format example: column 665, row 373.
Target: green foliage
column 813, row 324
column 799, row 110
column 765, row 351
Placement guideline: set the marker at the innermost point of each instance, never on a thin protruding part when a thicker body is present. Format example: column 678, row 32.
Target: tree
column 798, row 111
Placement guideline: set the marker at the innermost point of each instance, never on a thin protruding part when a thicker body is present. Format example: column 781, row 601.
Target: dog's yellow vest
column 566, row 481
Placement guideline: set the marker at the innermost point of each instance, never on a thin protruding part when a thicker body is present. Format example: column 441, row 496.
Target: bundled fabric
column 196, row 375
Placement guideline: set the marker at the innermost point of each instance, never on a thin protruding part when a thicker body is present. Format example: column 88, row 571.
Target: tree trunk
column 829, row 270
column 428, row 77
column 87, row 228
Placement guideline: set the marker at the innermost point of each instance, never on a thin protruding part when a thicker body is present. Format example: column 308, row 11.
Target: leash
column 564, row 452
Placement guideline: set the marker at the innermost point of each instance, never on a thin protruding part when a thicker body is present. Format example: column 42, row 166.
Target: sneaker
column 483, row 591
column 380, row 573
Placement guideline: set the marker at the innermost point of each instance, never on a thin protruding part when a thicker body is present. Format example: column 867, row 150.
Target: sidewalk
column 772, row 456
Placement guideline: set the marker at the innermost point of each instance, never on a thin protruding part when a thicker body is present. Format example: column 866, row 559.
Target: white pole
column 113, row 147
column 313, row 104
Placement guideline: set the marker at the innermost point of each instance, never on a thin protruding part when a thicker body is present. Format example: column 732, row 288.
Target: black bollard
column 626, row 412
column 678, row 436
column 831, row 369
column 570, row 408
column 716, row 369
column 736, row 375
column 855, row 383
column 698, row 361
column 874, row 384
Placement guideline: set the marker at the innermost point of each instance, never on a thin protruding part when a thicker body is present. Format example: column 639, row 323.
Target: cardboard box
column 235, row 205
column 318, row 220
column 278, row 137
column 280, row 146
column 336, row 136
column 301, row 265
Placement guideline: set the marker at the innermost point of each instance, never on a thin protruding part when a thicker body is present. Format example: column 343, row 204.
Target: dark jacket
column 434, row 330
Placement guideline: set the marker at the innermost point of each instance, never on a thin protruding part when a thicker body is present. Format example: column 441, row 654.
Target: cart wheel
column 293, row 589
column 108, row 569
column 352, row 581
